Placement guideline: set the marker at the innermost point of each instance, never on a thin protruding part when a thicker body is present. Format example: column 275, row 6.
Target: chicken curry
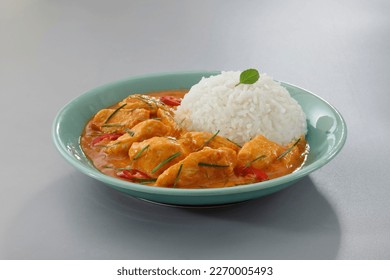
column 139, row 140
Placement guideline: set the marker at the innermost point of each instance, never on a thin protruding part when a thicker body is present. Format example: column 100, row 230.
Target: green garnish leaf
column 112, row 125
column 288, row 150
column 130, row 132
column 165, row 161
column 238, row 145
column 115, row 111
column 123, row 168
column 177, row 175
column 210, row 139
column 212, row 165
column 140, row 152
column 256, row 159
column 249, row 76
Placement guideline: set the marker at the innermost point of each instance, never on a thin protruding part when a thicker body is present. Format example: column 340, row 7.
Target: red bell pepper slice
column 170, row 100
column 260, row 175
column 109, row 136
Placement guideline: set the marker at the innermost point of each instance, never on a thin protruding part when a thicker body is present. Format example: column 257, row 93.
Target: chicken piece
column 290, row 159
column 206, row 168
column 166, row 116
column 137, row 101
column 259, row 153
column 195, row 141
column 113, row 120
column 153, row 156
column 142, row 131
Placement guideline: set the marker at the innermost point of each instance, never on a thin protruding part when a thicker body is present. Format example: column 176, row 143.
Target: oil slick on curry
column 139, row 140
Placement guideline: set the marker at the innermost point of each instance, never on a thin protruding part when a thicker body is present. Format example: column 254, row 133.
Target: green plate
column 326, row 136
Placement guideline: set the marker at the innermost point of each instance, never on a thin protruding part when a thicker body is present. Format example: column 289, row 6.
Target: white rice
column 244, row 111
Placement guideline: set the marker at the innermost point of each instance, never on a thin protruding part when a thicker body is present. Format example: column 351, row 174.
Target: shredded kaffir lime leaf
column 212, row 165
column 165, row 161
column 140, row 152
column 113, row 113
column 288, row 150
column 177, row 175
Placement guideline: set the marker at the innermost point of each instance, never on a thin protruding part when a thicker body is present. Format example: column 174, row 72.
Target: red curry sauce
column 138, row 140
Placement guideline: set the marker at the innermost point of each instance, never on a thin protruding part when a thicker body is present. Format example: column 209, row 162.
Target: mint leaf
column 249, row 76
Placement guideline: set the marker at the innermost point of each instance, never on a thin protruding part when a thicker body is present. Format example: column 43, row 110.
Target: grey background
column 53, row 51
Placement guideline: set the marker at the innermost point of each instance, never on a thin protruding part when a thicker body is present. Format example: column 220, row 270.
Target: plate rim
column 121, row 184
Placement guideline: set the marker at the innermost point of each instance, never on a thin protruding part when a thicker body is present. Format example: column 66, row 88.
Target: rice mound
column 244, row 111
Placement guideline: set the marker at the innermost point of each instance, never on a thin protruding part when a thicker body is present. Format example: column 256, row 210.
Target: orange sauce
column 111, row 164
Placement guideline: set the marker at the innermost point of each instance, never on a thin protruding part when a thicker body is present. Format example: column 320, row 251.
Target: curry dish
column 138, row 140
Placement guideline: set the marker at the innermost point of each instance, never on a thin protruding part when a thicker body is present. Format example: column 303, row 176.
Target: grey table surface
column 53, row 51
